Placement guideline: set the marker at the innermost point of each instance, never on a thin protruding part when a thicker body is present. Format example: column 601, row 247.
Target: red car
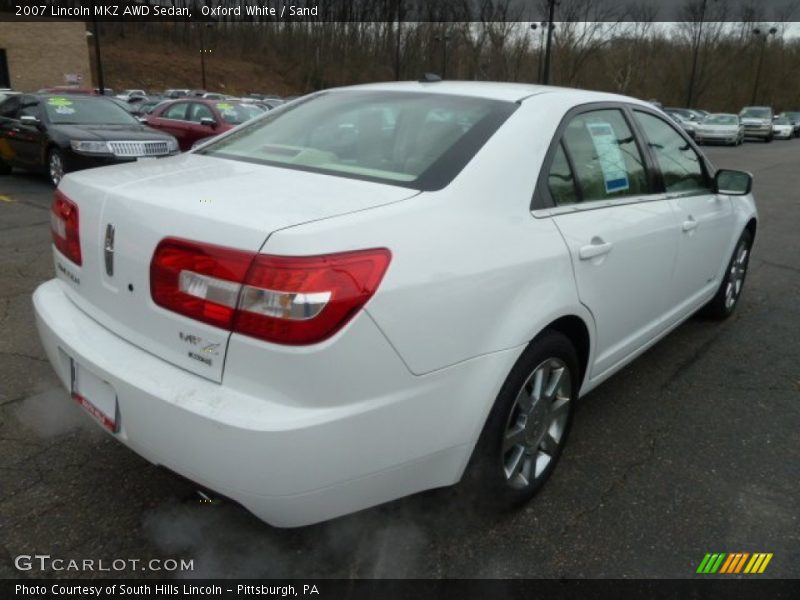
column 193, row 119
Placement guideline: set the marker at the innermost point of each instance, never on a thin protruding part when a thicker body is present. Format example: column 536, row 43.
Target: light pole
column 203, row 51
column 698, row 38
column 542, row 27
column 97, row 59
column 550, row 14
column 763, row 35
column 443, row 39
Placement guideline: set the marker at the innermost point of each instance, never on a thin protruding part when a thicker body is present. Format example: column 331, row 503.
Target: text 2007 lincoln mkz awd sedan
column 382, row 289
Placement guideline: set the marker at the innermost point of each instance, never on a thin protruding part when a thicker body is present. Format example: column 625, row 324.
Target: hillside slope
column 157, row 65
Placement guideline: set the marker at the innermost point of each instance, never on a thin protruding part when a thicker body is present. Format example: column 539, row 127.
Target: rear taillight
column 64, row 227
column 302, row 300
column 281, row 299
column 200, row 281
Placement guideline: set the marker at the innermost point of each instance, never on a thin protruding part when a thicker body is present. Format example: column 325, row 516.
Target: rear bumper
column 288, row 462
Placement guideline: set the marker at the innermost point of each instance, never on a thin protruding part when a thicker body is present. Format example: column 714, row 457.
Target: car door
column 173, row 119
column 30, row 140
column 9, row 129
column 705, row 218
column 620, row 234
column 198, row 131
column 23, row 140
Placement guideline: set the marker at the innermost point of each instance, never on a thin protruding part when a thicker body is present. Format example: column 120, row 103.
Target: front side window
column 199, row 112
column 176, row 112
column 417, row 140
column 605, row 156
column 681, row 167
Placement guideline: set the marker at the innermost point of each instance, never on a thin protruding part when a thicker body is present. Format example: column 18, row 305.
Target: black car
column 59, row 133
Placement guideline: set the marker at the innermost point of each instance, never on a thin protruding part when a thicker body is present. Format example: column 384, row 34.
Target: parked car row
column 56, row 133
column 754, row 122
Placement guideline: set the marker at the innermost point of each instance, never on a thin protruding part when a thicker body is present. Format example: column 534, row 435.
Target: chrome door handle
column 689, row 225
column 594, row 250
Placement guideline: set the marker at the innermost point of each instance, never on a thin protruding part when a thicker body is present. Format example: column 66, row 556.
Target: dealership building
column 37, row 55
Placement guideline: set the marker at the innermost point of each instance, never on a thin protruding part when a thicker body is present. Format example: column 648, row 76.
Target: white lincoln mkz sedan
column 382, row 289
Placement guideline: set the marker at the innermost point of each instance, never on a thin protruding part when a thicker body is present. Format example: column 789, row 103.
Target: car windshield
column 721, row 120
column 756, row 113
column 75, row 110
column 236, row 112
column 782, row 121
column 418, row 140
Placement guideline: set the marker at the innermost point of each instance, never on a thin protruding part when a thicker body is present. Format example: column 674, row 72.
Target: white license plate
column 96, row 396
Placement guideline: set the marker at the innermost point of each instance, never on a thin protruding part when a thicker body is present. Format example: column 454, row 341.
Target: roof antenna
column 430, row 78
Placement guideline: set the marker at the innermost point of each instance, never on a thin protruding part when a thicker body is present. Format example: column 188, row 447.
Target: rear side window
column 560, row 180
column 681, row 167
column 416, row 140
column 604, row 155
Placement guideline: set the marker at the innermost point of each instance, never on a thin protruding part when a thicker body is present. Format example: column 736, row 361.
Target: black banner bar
column 416, row 589
column 486, row 11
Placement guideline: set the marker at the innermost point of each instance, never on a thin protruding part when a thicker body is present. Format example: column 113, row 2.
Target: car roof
column 201, row 100
column 508, row 92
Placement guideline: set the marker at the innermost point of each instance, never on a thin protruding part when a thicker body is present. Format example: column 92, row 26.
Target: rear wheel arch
column 576, row 330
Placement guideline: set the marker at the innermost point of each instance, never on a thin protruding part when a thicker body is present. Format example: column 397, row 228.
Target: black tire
column 487, row 478
column 55, row 154
column 5, row 168
column 721, row 306
column 768, row 139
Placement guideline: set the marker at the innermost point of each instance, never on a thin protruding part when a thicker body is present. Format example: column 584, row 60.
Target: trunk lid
column 205, row 199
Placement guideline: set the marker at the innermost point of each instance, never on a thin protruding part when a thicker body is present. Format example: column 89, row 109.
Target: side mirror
column 208, row 122
column 29, row 120
column 733, row 183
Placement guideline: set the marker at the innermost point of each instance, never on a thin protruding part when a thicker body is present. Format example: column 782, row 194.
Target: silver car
column 720, row 128
column 687, row 125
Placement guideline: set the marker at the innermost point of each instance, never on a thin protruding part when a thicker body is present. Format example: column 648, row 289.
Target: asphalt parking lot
column 693, row 448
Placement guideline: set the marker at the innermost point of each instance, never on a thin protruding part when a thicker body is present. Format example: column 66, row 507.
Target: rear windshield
column 82, row 110
column 416, row 140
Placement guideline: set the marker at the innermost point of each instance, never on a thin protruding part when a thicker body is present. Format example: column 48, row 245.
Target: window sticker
column 59, row 101
column 65, row 110
column 224, row 106
column 612, row 163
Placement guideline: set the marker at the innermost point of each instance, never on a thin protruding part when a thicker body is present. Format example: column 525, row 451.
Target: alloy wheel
column 537, row 423
column 736, row 275
column 56, row 165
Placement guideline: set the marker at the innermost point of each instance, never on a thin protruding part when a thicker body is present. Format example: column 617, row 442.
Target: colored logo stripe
column 711, row 563
column 758, row 563
column 734, row 562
